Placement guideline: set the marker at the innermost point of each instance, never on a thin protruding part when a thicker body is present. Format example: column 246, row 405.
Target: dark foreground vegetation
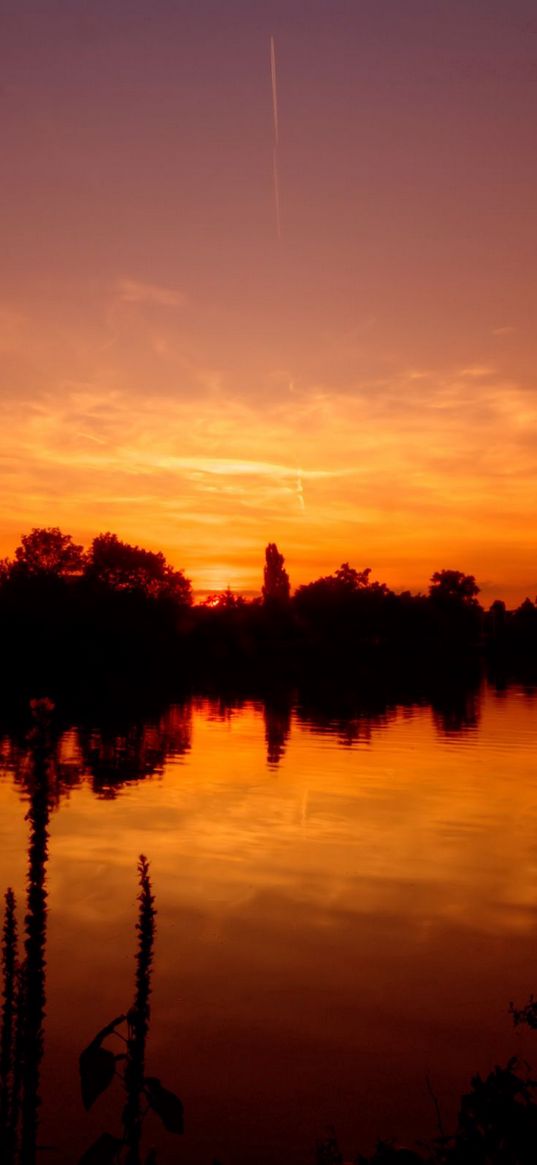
column 497, row 1120
column 70, row 617
column 117, row 1053
column 496, row 1124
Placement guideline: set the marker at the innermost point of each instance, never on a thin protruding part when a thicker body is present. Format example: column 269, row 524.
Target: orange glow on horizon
column 414, row 481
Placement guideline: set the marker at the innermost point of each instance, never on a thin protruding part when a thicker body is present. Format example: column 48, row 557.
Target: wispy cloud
column 478, row 370
column 432, row 470
column 135, row 291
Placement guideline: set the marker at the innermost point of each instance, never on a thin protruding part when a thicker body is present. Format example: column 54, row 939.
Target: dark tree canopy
column 227, row 599
column 48, row 551
column 122, row 567
column 122, row 603
column 455, row 586
column 340, row 587
column 276, row 586
column 352, row 579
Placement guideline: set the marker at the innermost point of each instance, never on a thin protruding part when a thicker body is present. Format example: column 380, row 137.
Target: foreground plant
column 99, row 1065
column 497, row 1122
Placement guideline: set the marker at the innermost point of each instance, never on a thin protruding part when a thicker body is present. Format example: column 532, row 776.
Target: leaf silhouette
column 109, row 1029
column 97, row 1065
column 104, row 1151
column 165, row 1103
column 97, row 1070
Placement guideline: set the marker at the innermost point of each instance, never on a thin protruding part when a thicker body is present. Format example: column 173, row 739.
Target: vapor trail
column 274, row 89
column 300, row 490
column 276, row 191
column 275, row 174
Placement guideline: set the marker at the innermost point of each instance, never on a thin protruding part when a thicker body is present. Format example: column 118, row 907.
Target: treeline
column 118, row 608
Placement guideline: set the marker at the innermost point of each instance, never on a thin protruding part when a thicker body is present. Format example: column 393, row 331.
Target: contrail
column 300, row 490
column 274, row 89
column 276, row 191
column 276, row 137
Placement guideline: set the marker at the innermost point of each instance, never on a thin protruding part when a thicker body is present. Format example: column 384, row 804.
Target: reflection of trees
column 24, row 982
column 456, row 711
column 353, row 717
column 121, row 745
column 350, row 721
column 131, row 753
column 277, row 716
column 111, row 752
column 220, row 709
column 115, row 759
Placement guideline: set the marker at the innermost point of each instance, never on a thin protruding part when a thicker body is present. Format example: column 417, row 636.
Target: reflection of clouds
column 400, row 828
column 398, row 822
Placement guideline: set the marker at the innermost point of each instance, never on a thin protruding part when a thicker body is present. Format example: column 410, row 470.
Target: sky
column 353, row 378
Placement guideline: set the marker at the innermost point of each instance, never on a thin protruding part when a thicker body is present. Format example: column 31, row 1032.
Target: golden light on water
column 354, row 911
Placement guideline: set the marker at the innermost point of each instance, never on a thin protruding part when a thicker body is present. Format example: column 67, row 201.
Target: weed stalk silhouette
column 99, row 1064
column 24, row 996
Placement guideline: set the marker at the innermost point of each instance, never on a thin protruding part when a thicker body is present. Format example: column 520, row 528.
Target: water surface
column 345, row 906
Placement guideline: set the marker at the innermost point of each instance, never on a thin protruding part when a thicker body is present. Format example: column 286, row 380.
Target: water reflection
column 9, row 1077
column 115, row 755
column 106, row 755
column 313, row 921
column 277, row 716
column 25, row 998
column 24, row 985
column 139, row 1014
column 118, row 746
column 456, row 712
column 99, row 1064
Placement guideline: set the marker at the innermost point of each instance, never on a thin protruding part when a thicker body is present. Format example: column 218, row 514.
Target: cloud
column 134, row 291
column 478, row 370
column 408, row 474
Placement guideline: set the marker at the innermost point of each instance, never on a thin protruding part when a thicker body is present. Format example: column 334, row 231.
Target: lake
column 346, row 905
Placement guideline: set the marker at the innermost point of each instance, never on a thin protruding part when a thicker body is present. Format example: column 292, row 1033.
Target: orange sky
column 362, row 388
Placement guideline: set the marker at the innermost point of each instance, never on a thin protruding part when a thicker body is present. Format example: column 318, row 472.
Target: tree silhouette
column 227, row 599
column 276, row 586
column 454, row 586
column 122, row 567
column 48, row 552
column 346, row 582
column 353, row 580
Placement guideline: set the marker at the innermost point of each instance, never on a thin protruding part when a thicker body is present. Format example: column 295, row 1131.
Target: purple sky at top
column 137, row 137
